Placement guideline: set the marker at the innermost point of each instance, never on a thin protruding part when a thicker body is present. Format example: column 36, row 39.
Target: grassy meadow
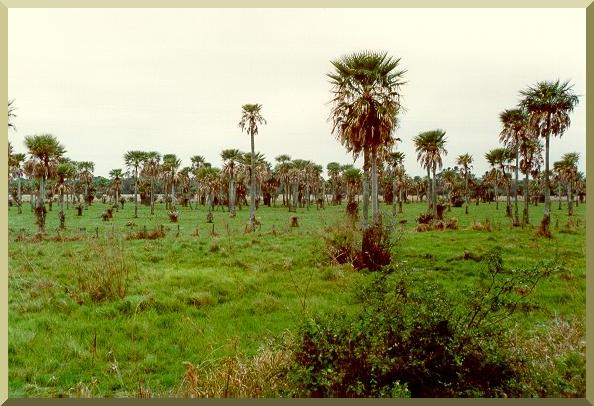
column 199, row 296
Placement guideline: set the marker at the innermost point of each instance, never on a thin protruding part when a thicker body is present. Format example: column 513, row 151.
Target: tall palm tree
column 515, row 131
column 333, row 170
column 85, row 171
column 45, row 151
column 116, row 184
column 133, row 160
column 16, row 170
column 430, row 147
column 251, row 116
column 465, row 163
column 497, row 158
column 365, row 104
column 198, row 162
column 65, row 170
column 171, row 164
column 152, row 168
column 549, row 103
column 230, row 159
column 282, row 167
column 396, row 161
column 531, row 152
column 568, row 170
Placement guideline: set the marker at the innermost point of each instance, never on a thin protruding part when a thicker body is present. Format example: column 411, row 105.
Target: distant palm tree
column 465, row 162
column 230, row 159
column 251, row 116
column 568, row 171
column 65, row 170
column 198, row 162
column 16, row 171
column 152, row 169
column 85, row 171
column 171, row 164
column 133, row 160
column 497, row 158
column 430, row 146
column 531, row 152
column 45, row 151
column 515, row 131
column 333, row 170
column 366, row 101
column 396, row 161
column 282, row 167
column 116, row 184
column 549, row 105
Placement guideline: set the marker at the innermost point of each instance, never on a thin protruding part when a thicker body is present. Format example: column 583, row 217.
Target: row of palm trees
column 366, row 94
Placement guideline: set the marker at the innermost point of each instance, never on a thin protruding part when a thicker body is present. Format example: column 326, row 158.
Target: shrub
column 173, row 216
column 452, row 224
column 102, row 273
column 425, row 218
column 410, row 338
column 145, row 234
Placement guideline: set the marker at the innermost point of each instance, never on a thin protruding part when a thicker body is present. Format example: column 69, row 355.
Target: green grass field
column 199, row 297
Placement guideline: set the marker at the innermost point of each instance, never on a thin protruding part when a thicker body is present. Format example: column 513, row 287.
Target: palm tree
column 515, row 131
column 396, row 161
column 531, row 152
column 16, row 170
column 171, row 164
column 250, row 118
column 152, row 168
column 133, row 160
column 65, row 170
column 497, row 158
column 430, row 146
column 549, row 105
column 465, row 163
column 198, row 162
column 45, row 151
column 230, row 158
column 568, row 170
column 282, row 167
column 366, row 101
column 333, row 169
column 85, row 171
column 116, row 184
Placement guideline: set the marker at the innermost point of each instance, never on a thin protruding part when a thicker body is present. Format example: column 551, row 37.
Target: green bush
column 410, row 339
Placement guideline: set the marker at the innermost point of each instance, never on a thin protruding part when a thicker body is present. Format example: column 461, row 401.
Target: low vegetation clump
column 102, row 273
column 369, row 249
column 145, row 234
column 412, row 339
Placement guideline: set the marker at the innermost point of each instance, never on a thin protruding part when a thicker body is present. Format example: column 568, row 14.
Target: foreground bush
column 410, row 339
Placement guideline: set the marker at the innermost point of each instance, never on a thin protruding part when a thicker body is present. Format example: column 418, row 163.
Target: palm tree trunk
column 400, row 198
column 365, row 201
column 41, row 205
column 135, row 193
column 546, row 218
column 252, row 188
column 526, row 219
column 516, row 214
column 62, row 207
column 429, row 192
column 466, row 190
column 559, row 193
column 569, row 200
column 393, row 196
column 152, row 195
column 374, row 192
column 496, row 192
column 19, row 195
column 434, row 194
column 231, row 196
column 173, row 196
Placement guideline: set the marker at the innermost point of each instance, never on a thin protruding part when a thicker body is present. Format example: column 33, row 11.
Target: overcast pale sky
column 106, row 81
